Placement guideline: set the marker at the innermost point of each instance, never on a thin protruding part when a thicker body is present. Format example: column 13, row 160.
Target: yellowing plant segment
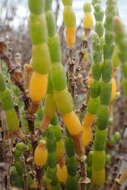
column 41, row 154
column 114, row 89
column 89, row 118
column 88, row 19
column 94, row 84
column 60, row 149
column 61, row 96
column 87, row 129
column 38, row 86
column 40, row 54
column 62, row 173
column 70, row 23
column 73, row 124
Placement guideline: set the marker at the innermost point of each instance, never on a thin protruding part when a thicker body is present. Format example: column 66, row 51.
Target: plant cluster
column 51, row 147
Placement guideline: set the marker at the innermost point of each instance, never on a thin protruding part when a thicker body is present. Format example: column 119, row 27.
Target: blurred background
column 15, row 12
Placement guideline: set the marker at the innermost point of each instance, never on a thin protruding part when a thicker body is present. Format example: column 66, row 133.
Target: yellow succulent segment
column 88, row 120
column 38, row 86
column 87, row 136
column 70, row 36
column 88, row 21
column 60, row 149
column 114, row 89
column 98, row 177
column 72, row 123
column 62, row 173
column 40, row 155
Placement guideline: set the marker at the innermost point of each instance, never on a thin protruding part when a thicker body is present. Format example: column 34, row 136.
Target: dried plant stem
column 82, row 175
column 5, row 163
column 39, row 178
